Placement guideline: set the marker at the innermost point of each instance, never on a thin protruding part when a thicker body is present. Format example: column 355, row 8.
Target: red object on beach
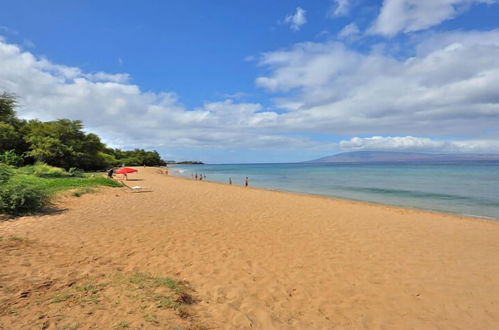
column 125, row 170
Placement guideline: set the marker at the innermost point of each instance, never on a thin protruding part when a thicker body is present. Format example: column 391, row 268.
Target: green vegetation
column 29, row 189
column 21, row 198
column 82, row 191
column 17, row 238
column 85, row 294
column 154, row 298
column 6, row 173
column 173, row 298
column 55, row 154
column 122, row 325
column 61, row 143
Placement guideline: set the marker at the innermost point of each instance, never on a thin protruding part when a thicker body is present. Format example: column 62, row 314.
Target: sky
column 227, row 81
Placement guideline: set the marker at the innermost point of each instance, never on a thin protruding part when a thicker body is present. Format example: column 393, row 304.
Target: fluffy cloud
column 340, row 8
column 446, row 88
column 411, row 143
column 413, row 15
column 297, row 20
column 349, row 31
column 123, row 114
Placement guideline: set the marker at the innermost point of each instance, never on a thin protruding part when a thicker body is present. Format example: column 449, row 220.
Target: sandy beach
column 249, row 258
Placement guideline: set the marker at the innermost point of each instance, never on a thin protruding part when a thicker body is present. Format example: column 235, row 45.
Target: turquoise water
column 461, row 188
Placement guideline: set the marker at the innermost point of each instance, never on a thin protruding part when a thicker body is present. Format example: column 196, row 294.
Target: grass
column 146, row 280
column 88, row 293
column 82, row 191
column 163, row 292
column 53, row 185
column 151, row 319
column 13, row 238
column 122, row 325
column 62, row 296
column 29, row 189
column 158, row 300
column 17, row 238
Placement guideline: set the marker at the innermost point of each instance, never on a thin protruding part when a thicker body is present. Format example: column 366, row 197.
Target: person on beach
column 230, row 180
column 196, row 176
column 110, row 173
column 246, row 182
column 200, row 177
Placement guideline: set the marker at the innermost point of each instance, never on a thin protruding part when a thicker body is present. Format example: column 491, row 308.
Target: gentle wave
column 463, row 189
column 420, row 194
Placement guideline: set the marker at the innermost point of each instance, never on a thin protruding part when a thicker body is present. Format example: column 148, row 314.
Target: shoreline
column 336, row 198
column 249, row 258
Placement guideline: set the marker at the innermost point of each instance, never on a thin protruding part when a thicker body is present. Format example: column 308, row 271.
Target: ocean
column 470, row 189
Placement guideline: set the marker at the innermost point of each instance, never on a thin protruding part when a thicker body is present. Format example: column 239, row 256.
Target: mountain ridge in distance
column 398, row 156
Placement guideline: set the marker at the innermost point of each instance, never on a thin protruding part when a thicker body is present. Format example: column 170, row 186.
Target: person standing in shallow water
column 246, row 182
column 230, row 180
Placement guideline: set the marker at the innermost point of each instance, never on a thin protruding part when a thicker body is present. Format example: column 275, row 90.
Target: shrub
column 74, row 172
column 5, row 173
column 11, row 158
column 21, row 198
column 43, row 170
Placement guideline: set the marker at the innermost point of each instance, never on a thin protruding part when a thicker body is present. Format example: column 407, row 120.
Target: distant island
column 185, row 162
column 392, row 156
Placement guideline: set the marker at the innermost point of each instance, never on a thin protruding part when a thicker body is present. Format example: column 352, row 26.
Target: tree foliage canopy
column 62, row 143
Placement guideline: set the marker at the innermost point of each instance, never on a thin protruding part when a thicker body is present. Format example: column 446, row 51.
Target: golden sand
column 252, row 258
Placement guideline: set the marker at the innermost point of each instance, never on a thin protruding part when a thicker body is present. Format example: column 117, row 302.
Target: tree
column 7, row 104
column 9, row 137
column 10, row 126
column 11, row 158
column 63, row 143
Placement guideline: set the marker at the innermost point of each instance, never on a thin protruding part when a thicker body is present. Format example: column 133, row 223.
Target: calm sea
column 461, row 188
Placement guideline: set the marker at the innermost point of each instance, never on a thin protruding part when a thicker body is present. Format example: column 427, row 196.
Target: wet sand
column 252, row 258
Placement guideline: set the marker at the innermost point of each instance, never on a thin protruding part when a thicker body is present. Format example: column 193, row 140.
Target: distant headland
column 393, row 156
column 184, row 162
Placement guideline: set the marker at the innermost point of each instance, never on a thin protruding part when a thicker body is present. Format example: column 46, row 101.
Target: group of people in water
column 201, row 177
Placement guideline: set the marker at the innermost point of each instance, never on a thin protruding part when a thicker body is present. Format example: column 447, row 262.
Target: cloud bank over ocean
column 439, row 94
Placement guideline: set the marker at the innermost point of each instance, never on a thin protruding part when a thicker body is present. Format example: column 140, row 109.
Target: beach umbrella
column 125, row 170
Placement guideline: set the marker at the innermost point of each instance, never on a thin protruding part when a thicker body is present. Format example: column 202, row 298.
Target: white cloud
column 340, row 8
column 123, row 115
column 297, row 20
column 448, row 87
column 413, row 15
column 349, row 31
column 418, row 144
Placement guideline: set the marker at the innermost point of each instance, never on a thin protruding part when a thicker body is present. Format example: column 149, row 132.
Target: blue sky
column 260, row 81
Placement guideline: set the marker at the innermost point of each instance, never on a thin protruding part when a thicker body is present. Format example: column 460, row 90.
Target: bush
column 76, row 173
column 43, row 170
column 21, row 198
column 5, row 173
column 11, row 158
